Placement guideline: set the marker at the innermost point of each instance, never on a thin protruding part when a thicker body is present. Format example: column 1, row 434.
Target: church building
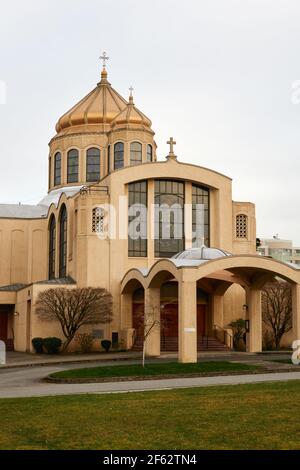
column 101, row 224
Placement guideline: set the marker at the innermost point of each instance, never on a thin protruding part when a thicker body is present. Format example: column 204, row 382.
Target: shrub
column 238, row 330
column 85, row 341
column 37, row 343
column 106, row 344
column 52, row 345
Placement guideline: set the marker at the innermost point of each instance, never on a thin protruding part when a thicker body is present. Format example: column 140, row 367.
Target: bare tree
column 277, row 309
column 74, row 308
column 148, row 322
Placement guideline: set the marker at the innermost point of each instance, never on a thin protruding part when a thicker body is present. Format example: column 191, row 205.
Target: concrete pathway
column 27, row 382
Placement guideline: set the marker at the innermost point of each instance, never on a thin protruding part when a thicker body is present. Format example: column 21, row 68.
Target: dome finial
column 104, row 57
column 131, row 95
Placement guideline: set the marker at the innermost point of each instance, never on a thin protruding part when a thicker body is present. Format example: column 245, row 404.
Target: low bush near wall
column 37, row 343
column 106, row 345
column 85, row 342
column 52, row 345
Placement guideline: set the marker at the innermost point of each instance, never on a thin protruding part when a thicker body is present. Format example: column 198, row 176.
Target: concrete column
column 296, row 311
column 152, row 317
column 187, row 324
column 254, row 337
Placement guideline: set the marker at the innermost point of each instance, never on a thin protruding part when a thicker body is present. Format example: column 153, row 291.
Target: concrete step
column 171, row 344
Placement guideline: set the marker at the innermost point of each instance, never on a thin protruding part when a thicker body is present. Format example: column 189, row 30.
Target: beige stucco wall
column 244, row 245
column 23, row 250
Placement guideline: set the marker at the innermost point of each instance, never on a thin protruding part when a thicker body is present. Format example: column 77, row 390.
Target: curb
column 87, row 380
column 79, row 361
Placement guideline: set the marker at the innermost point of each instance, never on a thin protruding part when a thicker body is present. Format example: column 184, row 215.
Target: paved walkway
column 27, row 381
column 38, row 389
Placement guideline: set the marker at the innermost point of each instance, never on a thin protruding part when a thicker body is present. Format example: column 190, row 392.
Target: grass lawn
column 254, row 416
column 166, row 368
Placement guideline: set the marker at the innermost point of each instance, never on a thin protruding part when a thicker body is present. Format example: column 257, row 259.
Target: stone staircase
column 169, row 343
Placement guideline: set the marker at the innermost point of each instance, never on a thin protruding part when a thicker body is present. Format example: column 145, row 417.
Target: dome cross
column 171, row 142
column 104, row 57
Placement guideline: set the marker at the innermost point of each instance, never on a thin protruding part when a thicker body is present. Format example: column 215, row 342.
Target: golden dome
column 100, row 106
column 131, row 115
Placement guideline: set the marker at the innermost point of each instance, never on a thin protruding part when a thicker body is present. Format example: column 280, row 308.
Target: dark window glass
column 108, row 159
column 119, row 155
column 57, row 169
column 73, row 164
column 52, row 243
column 200, row 221
column 93, row 165
column 63, row 233
column 169, row 218
column 149, row 153
column 137, row 219
column 135, row 153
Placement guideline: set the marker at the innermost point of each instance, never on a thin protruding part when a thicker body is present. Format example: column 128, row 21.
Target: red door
column 3, row 326
column 169, row 319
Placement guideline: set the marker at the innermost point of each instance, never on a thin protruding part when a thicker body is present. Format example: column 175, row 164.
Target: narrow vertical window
column 169, row 218
column 73, row 164
column 137, row 219
column 119, row 155
column 57, row 169
column 135, row 153
column 241, row 226
column 93, row 165
column 52, row 245
column 63, row 233
column 108, row 160
column 149, row 153
column 200, row 222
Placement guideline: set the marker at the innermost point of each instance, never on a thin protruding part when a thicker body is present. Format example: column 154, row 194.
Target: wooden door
column 3, row 326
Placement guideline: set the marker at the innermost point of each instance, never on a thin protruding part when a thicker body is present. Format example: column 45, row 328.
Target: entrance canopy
column 251, row 272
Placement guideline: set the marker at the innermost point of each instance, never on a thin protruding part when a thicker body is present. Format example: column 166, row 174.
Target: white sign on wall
column 2, row 353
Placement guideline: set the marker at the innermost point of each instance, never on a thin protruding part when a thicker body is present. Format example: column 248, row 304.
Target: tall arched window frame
column 241, row 226
column 52, row 247
column 63, row 238
column 135, row 153
column 118, row 155
column 108, row 159
column 73, row 166
column 57, row 169
column 149, row 153
column 93, row 165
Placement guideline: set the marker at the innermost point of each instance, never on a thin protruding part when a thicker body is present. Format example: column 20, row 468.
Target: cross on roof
column 131, row 89
column 104, row 57
column 171, row 142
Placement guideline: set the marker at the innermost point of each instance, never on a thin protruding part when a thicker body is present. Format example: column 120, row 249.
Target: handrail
column 226, row 334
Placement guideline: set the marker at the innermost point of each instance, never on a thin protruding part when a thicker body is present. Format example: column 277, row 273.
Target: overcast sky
column 217, row 75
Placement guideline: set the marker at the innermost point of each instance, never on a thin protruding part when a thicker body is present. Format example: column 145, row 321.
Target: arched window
column 93, row 165
column 241, row 226
column 149, row 153
column 52, row 246
column 135, row 153
column 63, row 234
column 73, row 166
column 119, row 155
column 108, row 159
column 57, row 169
